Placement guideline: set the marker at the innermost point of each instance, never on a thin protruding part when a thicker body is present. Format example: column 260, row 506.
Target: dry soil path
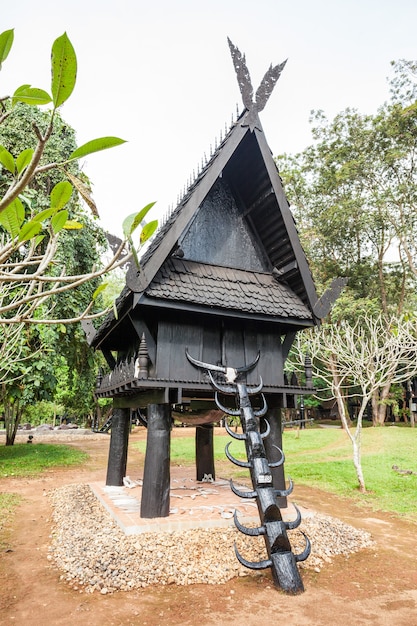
column 377, row 586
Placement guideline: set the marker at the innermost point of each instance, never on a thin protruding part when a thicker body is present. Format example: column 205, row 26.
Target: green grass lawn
column 23, row 459
column 322, row 458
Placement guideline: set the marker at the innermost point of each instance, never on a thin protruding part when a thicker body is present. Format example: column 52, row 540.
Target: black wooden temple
column 225, row 278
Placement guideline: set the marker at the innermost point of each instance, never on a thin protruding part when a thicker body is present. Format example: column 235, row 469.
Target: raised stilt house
column 225, row 278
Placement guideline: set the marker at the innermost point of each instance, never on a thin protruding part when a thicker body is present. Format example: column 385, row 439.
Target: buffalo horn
column 265, row 434
column 253, row 565
column 232, row 434
column 281, row 461
column 252, row 391
column 252, row 532
column 226, row 410
column 285, row 492
column 247, row 368
column 295, row 523
column 228, row 390
column 264, row 409
column 206, row 366
column 236, row 461
column 242, row 494
column 304, row 555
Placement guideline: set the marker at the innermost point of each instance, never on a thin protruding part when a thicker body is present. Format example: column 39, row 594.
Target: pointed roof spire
column 264, row 90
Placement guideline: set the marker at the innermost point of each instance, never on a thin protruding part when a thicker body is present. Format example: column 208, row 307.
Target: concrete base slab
column 193, row 504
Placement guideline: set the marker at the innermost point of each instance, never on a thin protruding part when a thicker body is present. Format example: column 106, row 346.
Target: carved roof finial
column 245, row 85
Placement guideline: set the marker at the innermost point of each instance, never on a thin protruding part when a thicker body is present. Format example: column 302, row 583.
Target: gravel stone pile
column 95, row 555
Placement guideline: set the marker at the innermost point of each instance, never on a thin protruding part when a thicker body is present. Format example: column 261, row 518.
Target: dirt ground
column 376, row 586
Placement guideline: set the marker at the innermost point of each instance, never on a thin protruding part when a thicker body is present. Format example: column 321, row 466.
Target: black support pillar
column 274, row 438
column 119, row 437
column 204, row 453
column 156, row 474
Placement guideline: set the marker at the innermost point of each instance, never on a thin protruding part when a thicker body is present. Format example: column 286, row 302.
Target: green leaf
column 61, row 194
column 23, row 160
column 12, row 217
column 64, row 70
column 7, row 160
column 131, row 222
column 39, row 240
column 73, row 225
column 148, row 231
column 29, row 230
column 26, row 200
column 99, row 290
column 95, row 145
column 58, row 221
column 44, row 215
column 6, row 42
column 30, row 95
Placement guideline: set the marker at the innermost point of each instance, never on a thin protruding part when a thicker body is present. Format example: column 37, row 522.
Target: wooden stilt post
column 119, row 437
column 156, row 474
column 274, row 438
column 204, row 452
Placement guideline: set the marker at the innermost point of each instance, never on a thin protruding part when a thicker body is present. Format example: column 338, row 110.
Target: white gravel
column 94, row 554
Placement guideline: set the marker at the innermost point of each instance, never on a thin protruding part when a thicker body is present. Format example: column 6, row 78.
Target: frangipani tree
column 34, row 273
column 29, row 273
column 357, row 360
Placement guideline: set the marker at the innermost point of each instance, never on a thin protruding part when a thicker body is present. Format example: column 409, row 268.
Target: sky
column 159, row 75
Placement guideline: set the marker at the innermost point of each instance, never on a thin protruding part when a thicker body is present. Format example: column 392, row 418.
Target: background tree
column 356, row 360
column 354, row 195
column 50, row 249
column 36, row 273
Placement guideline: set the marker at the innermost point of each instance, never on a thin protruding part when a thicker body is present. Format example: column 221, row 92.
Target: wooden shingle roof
column 227, row 289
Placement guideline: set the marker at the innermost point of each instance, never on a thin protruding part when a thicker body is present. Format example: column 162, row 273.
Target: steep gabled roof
column 245, row 161
column 274, row 280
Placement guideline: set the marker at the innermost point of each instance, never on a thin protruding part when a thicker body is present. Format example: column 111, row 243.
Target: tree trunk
column 356, row 438
column 358, row 465
column 381, row 406
column 375, row 402
column 340, row 399
column 12, row 414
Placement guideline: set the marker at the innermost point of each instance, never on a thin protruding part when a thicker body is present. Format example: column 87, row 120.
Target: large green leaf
column 61, row 194
column 95, row 145
column 99, row 290
column 23, row 159
column 6, row 42
column 12, row 217
column 44, row 215
column 58, row 221
column 148, row 231
column 64, row 70
column 30, row 95
column 132, row 221
column 29, row 230
column 7, row 160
